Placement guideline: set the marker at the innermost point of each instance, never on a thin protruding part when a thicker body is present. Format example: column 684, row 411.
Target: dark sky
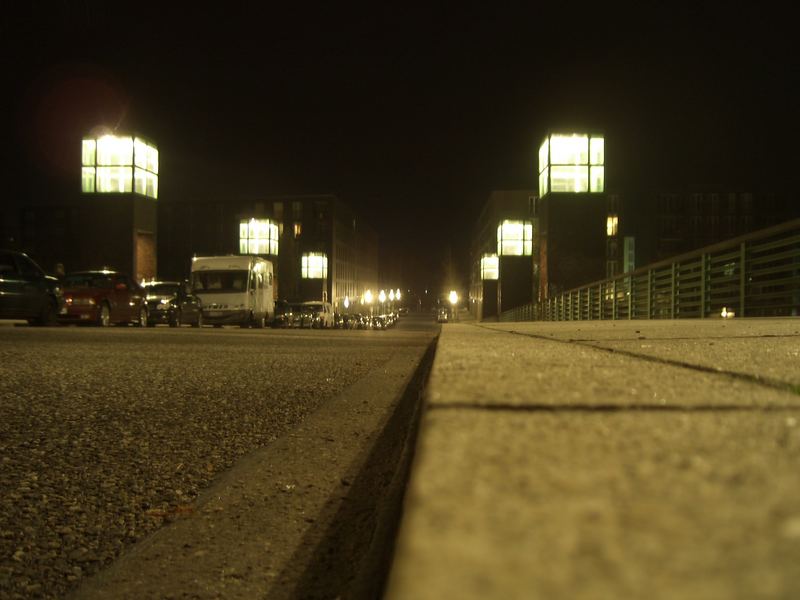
column 410, row 116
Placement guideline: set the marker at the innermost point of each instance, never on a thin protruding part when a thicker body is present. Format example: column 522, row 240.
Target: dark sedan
column 103, row 297
column 172, row 303
column 26, row 292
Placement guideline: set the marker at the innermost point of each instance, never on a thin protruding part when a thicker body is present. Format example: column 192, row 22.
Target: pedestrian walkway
column 624, row 459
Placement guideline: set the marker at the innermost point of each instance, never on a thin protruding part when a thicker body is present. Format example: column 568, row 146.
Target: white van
column 234, row 290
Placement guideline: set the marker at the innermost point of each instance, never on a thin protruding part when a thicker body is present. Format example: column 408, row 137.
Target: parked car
column 442, row 316
column 402, row 311
column 302, row 316
column 321, row 314
column 26, row 292
column 103, row 297
column 172, row 303
column 283, row 314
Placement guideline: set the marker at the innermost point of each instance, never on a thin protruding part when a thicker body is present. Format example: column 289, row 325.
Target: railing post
column 672, row 292
column 580, row 306
column 600, row 299
column 631, row 297
column 703, row 285
column 742, row 276
column 614, row 301
column 650, row 293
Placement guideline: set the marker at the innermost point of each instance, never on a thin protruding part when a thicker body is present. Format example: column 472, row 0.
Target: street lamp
column 453, row 301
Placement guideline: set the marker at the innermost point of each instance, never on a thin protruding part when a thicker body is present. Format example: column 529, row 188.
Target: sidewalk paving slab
column 549, row 469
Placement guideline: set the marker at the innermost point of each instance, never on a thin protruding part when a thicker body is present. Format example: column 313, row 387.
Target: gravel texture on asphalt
column 107, row 434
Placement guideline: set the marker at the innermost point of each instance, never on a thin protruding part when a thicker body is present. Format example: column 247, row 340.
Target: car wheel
column 175, row 321
column 142, row 317
column 199, row 322
column 104, row 318
column 48, row 315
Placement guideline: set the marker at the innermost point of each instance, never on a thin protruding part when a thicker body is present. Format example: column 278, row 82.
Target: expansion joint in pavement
column 609, row 408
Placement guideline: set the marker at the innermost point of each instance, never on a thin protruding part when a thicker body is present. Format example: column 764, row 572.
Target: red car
column 103, row 297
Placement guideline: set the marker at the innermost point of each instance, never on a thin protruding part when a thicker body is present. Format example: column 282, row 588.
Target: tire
column 199, row 322
column 175, row 321
column 48, row 315
column 142, row 317
column 104, row 318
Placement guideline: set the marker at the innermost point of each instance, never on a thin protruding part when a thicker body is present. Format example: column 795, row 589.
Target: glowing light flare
column 391, row 295
column 397, row 294
column 382, row 296
column 368, row 297
column 346, row 302
column 453, row 297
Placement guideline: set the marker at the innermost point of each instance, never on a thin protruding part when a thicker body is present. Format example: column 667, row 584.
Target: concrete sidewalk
column 626, row 459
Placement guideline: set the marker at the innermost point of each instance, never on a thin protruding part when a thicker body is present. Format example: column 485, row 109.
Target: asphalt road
column 108, row 435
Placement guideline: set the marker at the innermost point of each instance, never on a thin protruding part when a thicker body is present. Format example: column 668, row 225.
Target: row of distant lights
column 369, row 298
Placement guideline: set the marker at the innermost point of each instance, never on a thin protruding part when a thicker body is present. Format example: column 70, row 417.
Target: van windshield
column 219, row 282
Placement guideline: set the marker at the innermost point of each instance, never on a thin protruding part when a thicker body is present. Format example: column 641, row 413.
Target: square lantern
column 119, row 164
column 572, row 163
column 314, row 265
column 490, row 267
column 515, row 238
column 258, row 236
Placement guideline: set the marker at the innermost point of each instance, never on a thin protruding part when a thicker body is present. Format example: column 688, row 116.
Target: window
column 572, row 164
column 515, row 238
column 113, row 164
column 612, row 225
column 297, row 210
column 314, row 265
column 298, row 230
column 490, row 267
column 277, row 211
column 258, row 236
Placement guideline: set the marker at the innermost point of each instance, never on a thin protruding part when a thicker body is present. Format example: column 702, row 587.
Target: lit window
column 314, row 265
column 597, row 151
column 298, row 229
column 490, row 267
column 87, row 179
column 88, row 154
column 115, row 151
column 597, row 179
column 543, row 181
column 569, row 150
column 123, row 165
column 569, row 179
column 572, row 164
column 612, row 224
column 515, row 238
column 114, row 179
column 258, row 236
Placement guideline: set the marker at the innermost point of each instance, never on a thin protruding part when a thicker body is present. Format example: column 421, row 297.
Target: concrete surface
column 619, row 459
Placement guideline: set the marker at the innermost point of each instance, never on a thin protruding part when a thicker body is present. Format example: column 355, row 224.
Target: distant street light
column 453, row 297
column 397, row 294
column 368, row 296
column 391, row 295
column 382, row 297
column 346, row 302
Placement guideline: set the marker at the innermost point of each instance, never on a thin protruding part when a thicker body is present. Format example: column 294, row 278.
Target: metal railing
column 753, row 275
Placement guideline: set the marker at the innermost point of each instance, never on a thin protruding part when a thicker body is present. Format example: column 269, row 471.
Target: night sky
column 410, row 116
